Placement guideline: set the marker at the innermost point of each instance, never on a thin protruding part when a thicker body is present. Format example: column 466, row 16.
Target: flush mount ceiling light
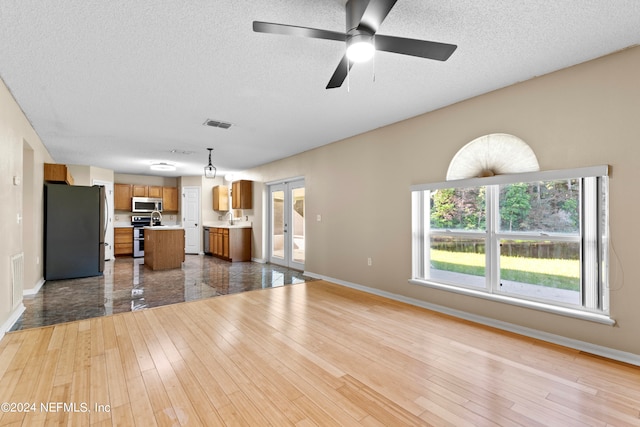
column 493, row 154
column 162, row 166
column 210, row 170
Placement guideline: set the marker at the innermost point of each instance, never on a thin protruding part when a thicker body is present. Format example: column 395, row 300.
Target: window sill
column 562, row 311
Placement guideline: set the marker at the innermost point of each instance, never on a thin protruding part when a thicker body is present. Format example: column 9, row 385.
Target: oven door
column 138, row 242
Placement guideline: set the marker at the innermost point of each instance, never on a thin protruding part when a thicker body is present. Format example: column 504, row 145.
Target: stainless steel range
column 139, row 222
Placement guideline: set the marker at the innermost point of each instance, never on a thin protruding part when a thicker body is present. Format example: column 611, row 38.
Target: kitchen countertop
column 242, row 225
column 163, row 227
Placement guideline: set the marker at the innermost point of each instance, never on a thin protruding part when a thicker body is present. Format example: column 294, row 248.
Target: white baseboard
column 259, row 260
column 610, row 353
column 32, row 291
column 6, row 326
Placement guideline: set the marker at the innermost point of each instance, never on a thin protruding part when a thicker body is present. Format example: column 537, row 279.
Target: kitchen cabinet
column 170, row 199
column 122, row 194
column 242, row 194
column 221, row 198
column 140, row 190
column 123, row 241
column 163, row 248
column 231, row 244
column 155, row 191
column 57, row 173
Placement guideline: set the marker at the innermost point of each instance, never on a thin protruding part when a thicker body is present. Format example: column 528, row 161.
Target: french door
column 286, row 224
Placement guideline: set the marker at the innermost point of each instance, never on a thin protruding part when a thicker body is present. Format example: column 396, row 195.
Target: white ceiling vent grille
column 217, row 124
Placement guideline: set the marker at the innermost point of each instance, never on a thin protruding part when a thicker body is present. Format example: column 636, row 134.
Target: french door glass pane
column 544, row 270
column 297, row 222
column 277, row 215
column 458, row 260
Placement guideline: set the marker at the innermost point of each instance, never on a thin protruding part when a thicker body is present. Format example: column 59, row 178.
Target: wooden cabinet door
column 155, row 191
column 140, row 190
column 242, row 195
column 221, row 198
column 123, row 241
column 225, row 243
column 170, row 199
column 122, row 197
column 216, row 248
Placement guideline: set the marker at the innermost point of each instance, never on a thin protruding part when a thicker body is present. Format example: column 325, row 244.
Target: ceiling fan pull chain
column 373, row 59
column 348, row 79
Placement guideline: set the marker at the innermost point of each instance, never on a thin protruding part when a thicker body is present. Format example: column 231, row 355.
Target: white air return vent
column 217, row 124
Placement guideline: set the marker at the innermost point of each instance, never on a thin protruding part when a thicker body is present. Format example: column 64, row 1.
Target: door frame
column 287, row 185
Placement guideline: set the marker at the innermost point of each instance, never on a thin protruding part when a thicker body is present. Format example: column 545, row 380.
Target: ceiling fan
column 363, row 20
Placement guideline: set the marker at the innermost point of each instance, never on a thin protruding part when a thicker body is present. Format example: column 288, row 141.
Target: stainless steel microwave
column 146, row 204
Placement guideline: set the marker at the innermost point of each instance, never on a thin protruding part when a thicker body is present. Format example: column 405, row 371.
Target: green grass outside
column 555, row 273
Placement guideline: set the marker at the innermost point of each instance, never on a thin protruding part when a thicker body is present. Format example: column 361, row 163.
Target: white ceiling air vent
column 217, row 124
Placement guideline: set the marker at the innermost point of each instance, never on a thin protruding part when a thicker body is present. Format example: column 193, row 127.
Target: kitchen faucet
column 230, row 217
column 156, row 211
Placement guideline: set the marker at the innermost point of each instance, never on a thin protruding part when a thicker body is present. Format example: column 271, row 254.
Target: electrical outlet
column 318, row 217
column 369, row 262
column 37, row 260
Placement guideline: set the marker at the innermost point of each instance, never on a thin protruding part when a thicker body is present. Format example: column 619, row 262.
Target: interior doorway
column 191, row 219
column 287, row 224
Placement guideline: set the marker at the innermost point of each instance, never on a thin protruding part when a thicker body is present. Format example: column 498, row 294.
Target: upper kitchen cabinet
column 221, row 198
column 122, row 194
column 147, row 191
column 156, row 191
column 242, row 195
column 169, row 199
column 57, row 173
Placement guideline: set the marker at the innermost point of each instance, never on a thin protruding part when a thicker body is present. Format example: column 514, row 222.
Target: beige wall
column 22, row 155
column 581, row 116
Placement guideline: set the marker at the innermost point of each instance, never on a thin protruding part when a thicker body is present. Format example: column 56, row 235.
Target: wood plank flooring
column 308, row 354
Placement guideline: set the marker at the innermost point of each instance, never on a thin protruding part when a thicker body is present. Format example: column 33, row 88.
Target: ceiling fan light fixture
column 360, row 47
column 210, row 170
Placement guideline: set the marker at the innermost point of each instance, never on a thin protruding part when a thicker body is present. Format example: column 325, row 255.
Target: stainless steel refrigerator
column 74, row 230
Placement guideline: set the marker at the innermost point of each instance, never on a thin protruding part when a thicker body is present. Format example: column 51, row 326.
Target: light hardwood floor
column 308, row 354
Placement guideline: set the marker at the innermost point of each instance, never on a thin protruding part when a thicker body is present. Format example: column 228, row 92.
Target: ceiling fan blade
column 413, row 47
column 340, row 74
column 375, row 13
column 293, row 30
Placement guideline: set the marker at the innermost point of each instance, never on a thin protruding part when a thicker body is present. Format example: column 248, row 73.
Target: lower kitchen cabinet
column 123, row 241
column 231, row 244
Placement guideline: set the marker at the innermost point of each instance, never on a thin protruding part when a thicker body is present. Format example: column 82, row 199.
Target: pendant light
column 210, row 170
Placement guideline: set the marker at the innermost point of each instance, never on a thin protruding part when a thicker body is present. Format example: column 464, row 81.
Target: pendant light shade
column 210, row 170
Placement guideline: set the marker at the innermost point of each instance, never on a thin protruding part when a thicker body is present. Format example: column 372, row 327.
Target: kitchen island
column 163, row 247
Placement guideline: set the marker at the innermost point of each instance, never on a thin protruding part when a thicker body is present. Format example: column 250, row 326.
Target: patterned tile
column 127, row 285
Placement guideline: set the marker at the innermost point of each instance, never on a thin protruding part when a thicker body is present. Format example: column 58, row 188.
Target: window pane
column 458, row 209
column 458, row 260
column 543, row 206
column 541, row 269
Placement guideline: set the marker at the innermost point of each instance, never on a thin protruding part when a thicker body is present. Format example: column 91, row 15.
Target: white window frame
column 593, row 238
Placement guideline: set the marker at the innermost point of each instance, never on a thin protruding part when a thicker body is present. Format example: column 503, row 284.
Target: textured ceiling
column 120, row 83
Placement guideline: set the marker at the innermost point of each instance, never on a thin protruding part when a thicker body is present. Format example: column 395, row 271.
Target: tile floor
column 128, row 285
